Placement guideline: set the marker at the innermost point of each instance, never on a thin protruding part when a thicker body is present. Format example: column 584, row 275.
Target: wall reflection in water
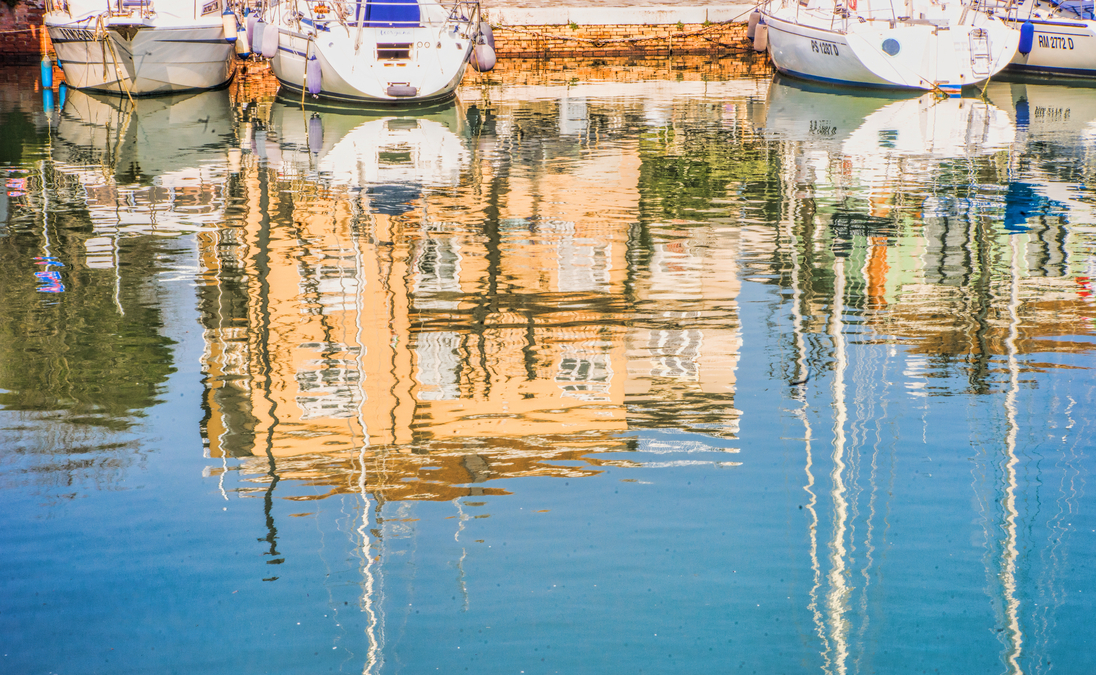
column 458, row 288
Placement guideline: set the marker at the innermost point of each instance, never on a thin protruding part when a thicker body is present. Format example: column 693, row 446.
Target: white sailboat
column 1056, row 37
column 918, row 44
column 138, row 47
column 365, row 51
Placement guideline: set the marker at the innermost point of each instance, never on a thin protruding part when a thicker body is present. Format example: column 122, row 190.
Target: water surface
column 639, row 371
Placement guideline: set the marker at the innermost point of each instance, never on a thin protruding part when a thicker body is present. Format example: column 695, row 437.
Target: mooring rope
column 102, row 35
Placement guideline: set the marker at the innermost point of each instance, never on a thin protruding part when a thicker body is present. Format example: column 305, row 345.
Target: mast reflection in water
column 569, row 375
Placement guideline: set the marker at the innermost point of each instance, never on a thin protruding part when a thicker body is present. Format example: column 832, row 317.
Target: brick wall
column 619, row 40
column 22, row 37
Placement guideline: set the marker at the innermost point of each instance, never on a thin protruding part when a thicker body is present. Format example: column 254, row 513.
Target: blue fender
column 1027, row 38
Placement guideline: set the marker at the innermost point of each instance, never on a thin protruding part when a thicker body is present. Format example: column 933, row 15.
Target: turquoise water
column 575, row 375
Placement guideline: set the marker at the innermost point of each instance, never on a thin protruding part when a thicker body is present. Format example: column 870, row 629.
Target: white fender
column 313, row 76
column 487, row 33
column 761, row 38
column 256, row 37
column 270, row 41
column 483, row 56
column 228, row 19
column 243, row 47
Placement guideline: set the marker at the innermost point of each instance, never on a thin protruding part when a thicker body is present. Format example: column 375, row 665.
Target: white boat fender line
column 270, row 40
column 313, row 73
column 751, row 25
column 228, row 20
column 250, row 21
column 483, row 55
column 487, row 33
column 256, row 37
column 243, row 47
column 761, row 37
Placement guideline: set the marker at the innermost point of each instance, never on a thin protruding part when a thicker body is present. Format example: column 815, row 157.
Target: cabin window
column 393, row 51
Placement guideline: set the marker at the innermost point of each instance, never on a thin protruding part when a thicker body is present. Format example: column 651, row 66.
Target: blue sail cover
column 1082, row 8
column 397, row 13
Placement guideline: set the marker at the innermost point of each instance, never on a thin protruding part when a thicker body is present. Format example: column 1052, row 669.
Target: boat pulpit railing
column 130, row 8
column 467, row 14
column 463, row 16
column 58, row 6
column 1012, row 10
column 992, row 6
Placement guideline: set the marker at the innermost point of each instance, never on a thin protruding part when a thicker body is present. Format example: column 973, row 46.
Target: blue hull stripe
column 846, row 83
column 1079, row 72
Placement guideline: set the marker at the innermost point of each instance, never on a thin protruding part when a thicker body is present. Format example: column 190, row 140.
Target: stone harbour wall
column 617, row 40
column 618, row 31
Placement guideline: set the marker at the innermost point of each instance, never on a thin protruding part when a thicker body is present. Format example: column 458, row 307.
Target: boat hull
column 1061, row 47
column 924, row 57
column 141, row 59
column 795, row 50
column 354, row 75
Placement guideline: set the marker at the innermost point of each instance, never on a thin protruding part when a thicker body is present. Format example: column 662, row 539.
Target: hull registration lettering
column 823, row 47
column 75, row 35
column 1055, row 42
column 1052, row 114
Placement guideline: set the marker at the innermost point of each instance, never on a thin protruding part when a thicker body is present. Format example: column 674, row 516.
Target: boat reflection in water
column 147, row 166
column 1054, row 123
column 877, row 134
column 925, row 259
column 392, row 157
